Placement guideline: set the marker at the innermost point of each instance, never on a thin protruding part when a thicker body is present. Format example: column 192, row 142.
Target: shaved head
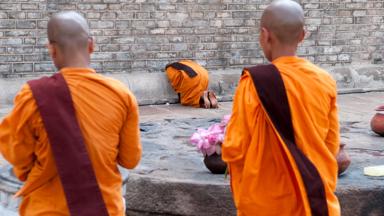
column 69, row 30
column 70, row 43
column 285, row 19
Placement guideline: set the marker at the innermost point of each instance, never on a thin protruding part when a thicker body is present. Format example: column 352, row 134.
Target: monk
column 106, row 111
column 190, row 81
column 266, row 165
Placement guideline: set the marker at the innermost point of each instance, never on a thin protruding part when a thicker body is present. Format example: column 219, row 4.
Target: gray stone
column 159, row 197
column 339, row 26
column 172, row 172
column 154, row 88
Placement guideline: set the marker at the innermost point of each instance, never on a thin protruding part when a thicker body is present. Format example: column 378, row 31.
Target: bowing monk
column 190, row 81
column 283, row 135
column 67, row 134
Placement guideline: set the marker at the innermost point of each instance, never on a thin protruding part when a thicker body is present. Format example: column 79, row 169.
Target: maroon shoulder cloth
column 182, row 67
column 272, row 93
column 74, row 167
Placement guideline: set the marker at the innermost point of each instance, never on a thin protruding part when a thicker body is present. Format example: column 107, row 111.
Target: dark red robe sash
column 74, row 167
column 272, row 93
column 182, row 67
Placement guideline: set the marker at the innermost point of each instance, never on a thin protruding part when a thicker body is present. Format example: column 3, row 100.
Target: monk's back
column 309, row 88
column 102, row 106
column 311, row 94
column 263, row 182
column 104, row 109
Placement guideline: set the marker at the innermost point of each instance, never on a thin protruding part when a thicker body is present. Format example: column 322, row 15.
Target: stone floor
column 172, row 179
column 170, row 159
column 166, row 131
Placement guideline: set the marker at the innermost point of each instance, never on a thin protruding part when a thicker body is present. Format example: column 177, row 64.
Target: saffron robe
column 77, row 176
column 264, row 176
column 189, row 88
column 108, row 117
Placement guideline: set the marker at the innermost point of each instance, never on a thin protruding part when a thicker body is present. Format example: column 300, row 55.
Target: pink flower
column 225, row 120
column 209, row 141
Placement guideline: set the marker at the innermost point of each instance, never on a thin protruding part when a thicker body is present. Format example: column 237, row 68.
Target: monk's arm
column 17, row 141
column 333, row 137
column 130, row 147
column 238, row 134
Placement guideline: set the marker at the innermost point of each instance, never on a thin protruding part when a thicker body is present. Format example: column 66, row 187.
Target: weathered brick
column 29, row 6
column 7, row 24
column 116, row 65
column 22, row 67
column 344, row 57
column 11, row 58
column 101, row 24
column 11, row 41
column 35, row 15
column 110, row 48
column 26, row 24
column 44, row 67
column 147, row 34
column 123, row 40
column 359, row 13
column 10, row 6
column 5, row 68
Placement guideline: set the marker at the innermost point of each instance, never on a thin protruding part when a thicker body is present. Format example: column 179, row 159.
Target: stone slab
column 149, row 88
column 154, row 88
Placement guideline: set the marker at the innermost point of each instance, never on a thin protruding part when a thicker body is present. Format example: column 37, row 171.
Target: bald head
column 69, row 30
column 285, row 19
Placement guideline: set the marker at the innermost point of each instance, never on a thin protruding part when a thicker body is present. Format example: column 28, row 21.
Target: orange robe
column 108, row 117
column 190, row 89
column 264, row 176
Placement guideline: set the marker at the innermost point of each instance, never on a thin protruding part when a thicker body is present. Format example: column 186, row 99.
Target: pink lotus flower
column 225, row 120
column 209, row 141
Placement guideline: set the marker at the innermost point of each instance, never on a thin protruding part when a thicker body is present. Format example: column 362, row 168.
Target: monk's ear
column 52, row 50
column 302, row 36
column 91, row 45
column 264, row 35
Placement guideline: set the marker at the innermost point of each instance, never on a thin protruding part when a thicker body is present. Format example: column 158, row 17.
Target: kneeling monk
column 190, row 81
column 67, row 134
column 283, row 136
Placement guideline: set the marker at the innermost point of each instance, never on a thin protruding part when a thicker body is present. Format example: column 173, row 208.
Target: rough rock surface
column 172, row 180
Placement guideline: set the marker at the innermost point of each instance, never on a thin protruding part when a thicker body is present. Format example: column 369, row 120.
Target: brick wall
column 145, row 35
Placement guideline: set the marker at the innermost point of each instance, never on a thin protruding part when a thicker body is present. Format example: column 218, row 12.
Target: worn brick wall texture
column 145, row 35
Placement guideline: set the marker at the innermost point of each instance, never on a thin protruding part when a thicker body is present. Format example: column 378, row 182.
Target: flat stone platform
column 172, row 179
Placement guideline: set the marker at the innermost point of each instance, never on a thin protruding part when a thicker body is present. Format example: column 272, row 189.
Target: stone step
column 154, row 88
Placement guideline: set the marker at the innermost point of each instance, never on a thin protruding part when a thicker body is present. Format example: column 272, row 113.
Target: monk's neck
column 74, row 65
column 282, row 50
column 76, row 62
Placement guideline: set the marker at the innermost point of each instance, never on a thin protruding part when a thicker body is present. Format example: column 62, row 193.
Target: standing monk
column 190, row 81
column 79, row 109
column 283, row 137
